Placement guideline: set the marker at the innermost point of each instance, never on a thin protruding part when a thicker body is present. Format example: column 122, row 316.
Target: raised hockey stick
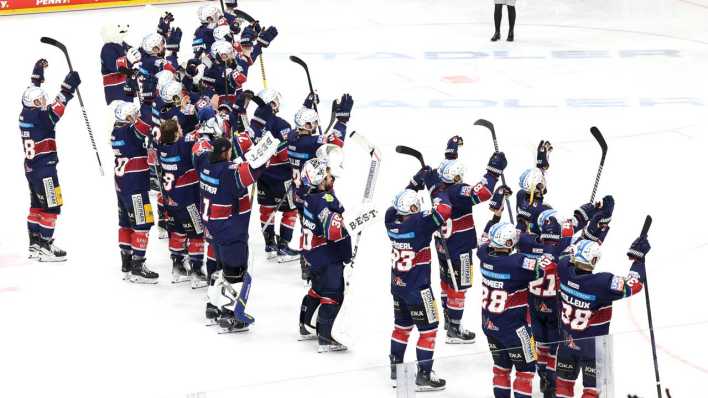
column 490, row 127
column 374, row 166
column 405, row 150
column 645, row 230
column 302, row 63
column 332, row 117
column 603, row 146
column 62, row 47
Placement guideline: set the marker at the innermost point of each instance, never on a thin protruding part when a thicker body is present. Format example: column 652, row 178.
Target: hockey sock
column 325, row 319
column 46, row 225
column 425, row 348
column 497, row 17
column 195, row 249
column 178, row 244
column 522, row 384
column 211, row 264
column 512, row 18
column 589, row 392
column 541, row 357
column 287, row 224
column 124, row 239
column 399, row 341
column 161, row 212
column 455, row 305
column 139, row 242
column 266, row 212
column 502, row 382
column 33, row 218
column 310, row 302
column 564, row 387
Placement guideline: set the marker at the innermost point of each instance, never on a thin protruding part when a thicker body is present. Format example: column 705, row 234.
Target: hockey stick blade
column 603, row 147
column 302, row 63
column 490, row 126
column 243, row 15
column 298, row 61
column 406, row 150
column 646, row 226
column 60, row 46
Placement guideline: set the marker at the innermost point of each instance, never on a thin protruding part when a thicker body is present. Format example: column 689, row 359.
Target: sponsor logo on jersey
column 529, row 264
column 328, row 198
column 617, row 283
column 573, row 285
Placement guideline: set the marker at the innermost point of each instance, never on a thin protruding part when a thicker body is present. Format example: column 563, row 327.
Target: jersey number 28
column 494, row 300
column 576, row 318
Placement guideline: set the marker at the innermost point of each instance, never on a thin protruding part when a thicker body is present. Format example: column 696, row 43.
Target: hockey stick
column 309, row 83
column 374, row 166
column 405, row 150
column 645, row 230
column 490, row 127
column 332, row 117
column 62, row 47
column 603, row 146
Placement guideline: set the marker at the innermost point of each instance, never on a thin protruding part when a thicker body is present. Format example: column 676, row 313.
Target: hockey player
column 505, row 279
column 180, row 184
column 326, row 247
column 410, row 231
column 118, row 61
column 223, row 77
column 204, row 35
column 586, row 300
column 132, row 183
column 152, row 55
column 274, row 184
column 459, row 235
column 38, row 120
column 529, row 199
column 226, row 210
column 511, row 8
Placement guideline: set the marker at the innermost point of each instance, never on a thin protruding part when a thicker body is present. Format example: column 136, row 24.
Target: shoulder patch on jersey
column 617, row 284
column 466, row 190
column 328, row 198
column 529, row 264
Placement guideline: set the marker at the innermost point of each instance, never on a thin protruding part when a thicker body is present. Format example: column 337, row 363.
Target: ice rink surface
column 419, row 71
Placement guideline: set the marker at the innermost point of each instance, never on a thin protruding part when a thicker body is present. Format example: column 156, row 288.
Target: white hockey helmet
column 126, row 112
column 306, row 119
column 451, row 171
column 33, row 94
column 213, row 126
column 587, row 253
column 503, row 235
column 404, row 201
column 334, row 156
column 223, row 32
column 546, row 215
column 222, row 49
column 532, row 180
column 153, row 44
column 171, row 92
column 269, row 95
column 209, row 14
column 114, row 33
column 163, row 77
column 314, row 172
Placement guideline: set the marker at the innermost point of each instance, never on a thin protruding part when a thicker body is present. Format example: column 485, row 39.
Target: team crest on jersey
column 328, row 198
column 617, row 283
column 466, row 190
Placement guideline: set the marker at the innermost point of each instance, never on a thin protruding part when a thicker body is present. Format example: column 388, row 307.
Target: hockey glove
column 267, row 36
column 163, row 27
column 191, row 68
column 133, row 56
column 595, row 230
column 71, row 82
column 497, row 163
column 497, row 200
column 256, row 26
column 263, row 114
column 607, row 205
column 585, row 213
column 343, row 108
column 544, row 148
column 551, row 230
column 418, row 181
column 174, row 39
column 311, row 100
column 38, row 72
column 452, row 146
column 639, row 248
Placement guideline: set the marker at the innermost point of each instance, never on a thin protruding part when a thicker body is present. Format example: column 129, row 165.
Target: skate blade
column 52, row 259
column 239, row 330
column 180, row 279
column 288, row 258
column 307, row 337
column 428, row 388
column 455, row 340
column 199, row 285
column 141, row 280
column 329, row 348
column 271, row 255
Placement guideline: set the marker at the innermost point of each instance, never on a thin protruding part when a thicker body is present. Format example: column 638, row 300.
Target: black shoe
column 141, row 274
column 496, row 36
column 428, row 381
column 510, row 36
column 126, row 263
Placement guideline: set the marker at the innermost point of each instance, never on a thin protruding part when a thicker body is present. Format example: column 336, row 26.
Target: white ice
column 419, row 72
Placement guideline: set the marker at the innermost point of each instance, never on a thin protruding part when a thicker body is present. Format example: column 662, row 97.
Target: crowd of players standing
column 182, row 132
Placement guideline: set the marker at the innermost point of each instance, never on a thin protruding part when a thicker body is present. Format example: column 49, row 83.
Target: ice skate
column 271, row 251
column 162, row 233
column 286, row 254
column 34, row 240
column 456, row 334
column 126, row 264
column 394, row 363
column 199, row 279
column 179, row 272
column 428, row 381
column 50, row 253
column 306, row 334
column 141, row 274
column 229, row 324
column 330, row 345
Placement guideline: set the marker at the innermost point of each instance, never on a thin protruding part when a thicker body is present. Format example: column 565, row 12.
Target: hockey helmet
column 451, row 171
column 586, row 253
column 405, row 201
column 33, row 94
column 503, row 235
